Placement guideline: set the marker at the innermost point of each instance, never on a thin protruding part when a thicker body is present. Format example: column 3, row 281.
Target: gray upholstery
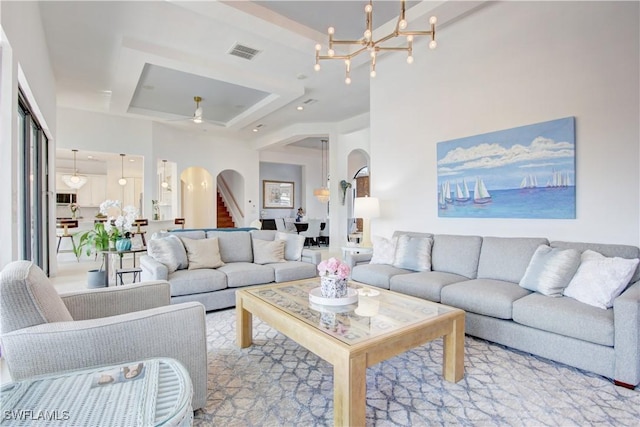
column 376, row 274
column 246, row 273
column 235, row 246
column 174, row 331
column 507, row 258
column 484, row 296
column 263, row 234
column 424, row 284
column 565, row 316
column 606, row 342
column 184, row 282
column 293, row 270
column 24, row 285
column 456, row 254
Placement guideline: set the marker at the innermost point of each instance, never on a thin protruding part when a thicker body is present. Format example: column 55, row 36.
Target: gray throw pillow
column 203, row 253
column 293, row 246
column 168, row 251
column 413, row 253
column 550, row 270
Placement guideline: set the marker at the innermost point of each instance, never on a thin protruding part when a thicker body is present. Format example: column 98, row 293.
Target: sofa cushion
column 27, row 298
column 565, row 316
column 384, row 250
column 293, row 270
column 269, row 235
column 424, row 284
column 488, row 297
column 189, row 234
column 294, row 244
column 235, row 246
column 506, row 258
column 550, row 270
column 413, row 253
column 169, row 251
column 456, row 254
column 202, row 253
column 188, row 282
column 247, row 273
column 608, row 250
column 376, row 274
column 265, row 252
column 599, row 279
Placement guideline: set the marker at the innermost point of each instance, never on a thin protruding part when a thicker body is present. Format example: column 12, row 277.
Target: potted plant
column 94, row 241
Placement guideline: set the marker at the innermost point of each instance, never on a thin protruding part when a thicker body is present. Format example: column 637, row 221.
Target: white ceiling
column 148, row 59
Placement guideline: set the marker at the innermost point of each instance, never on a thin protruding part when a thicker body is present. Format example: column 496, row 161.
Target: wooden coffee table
column 381, row 325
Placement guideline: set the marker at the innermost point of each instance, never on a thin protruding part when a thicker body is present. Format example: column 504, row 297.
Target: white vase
column 332, row 286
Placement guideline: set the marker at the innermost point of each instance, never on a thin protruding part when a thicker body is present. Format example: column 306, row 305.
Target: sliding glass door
column 33, row 188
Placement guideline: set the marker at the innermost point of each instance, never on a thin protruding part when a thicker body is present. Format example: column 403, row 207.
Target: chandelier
column 74, row 181
column 122, row 181
column 368, row 44
column 322, row 193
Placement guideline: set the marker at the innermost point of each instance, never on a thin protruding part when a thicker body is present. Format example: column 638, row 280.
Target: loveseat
column 208, row 265
column 515, row 293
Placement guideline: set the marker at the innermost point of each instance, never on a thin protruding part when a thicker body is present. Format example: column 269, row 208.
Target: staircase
column 224, row 218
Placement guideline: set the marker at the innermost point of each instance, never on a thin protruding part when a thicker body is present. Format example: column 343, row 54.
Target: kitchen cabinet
column 94, row 192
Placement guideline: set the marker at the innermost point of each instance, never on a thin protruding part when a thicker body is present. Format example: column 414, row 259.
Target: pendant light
column 74, row 181
column 122, row 181
column 164, row 184
column 322, row 193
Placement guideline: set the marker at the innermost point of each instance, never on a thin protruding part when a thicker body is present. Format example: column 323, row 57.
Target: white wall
column 513, row 64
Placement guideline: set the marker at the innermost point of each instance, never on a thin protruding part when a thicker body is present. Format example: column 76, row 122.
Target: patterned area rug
column 275, row 382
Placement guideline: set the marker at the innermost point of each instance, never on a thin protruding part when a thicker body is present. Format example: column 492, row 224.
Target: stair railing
column 232, row 205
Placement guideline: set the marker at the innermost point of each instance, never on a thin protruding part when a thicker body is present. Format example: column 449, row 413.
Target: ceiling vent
column 310, row 101
column 243, row 51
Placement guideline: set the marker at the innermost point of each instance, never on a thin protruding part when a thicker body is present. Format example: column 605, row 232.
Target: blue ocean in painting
column 541, row 202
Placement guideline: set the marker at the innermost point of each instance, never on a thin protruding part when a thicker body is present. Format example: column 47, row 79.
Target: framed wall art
column 523, row 172
column 277, row 194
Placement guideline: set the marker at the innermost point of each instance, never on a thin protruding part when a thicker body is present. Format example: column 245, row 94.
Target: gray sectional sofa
column 481, row 275
column 215, row 287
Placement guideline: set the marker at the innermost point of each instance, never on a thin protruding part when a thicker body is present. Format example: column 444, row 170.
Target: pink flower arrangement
column 333, row 266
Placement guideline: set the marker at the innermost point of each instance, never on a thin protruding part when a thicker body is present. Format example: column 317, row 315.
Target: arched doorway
column 198, row 198
column 358, row 164
column 230, row 194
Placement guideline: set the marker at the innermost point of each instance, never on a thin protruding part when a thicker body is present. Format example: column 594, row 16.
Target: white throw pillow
column 550, row 270
column 203, row 253
column 265, row 251
column 384, row 250
column 169, row 251
column 413, row 253
column 294, row 244
column 599, row 280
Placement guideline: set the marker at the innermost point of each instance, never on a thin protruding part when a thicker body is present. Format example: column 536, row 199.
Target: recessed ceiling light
column 132, row 160
column 89, row 157
column 299, row 108
column 255, row 129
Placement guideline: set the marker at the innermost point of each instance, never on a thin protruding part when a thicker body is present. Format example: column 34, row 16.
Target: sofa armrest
column 354, row 260
column 626, row 320
column 313, row 257
column 105, row 302
column 176, row 331
column 152, row 269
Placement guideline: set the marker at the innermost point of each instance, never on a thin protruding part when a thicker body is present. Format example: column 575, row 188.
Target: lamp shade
column 366, row 207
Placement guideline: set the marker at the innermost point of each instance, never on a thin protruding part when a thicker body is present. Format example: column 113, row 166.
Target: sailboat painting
column 523, row 172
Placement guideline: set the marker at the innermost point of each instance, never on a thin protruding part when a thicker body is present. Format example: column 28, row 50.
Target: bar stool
column 180, row 222
column 66, row 224
column 139, row 223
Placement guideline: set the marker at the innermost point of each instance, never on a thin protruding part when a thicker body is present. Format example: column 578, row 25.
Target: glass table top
column 376, row 313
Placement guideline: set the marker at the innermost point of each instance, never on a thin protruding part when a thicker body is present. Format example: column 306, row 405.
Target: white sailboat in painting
column 529, row 182
column 462, row 193
column 480, row 193
column 447, row 192
column 442, row 203
column 558, row 179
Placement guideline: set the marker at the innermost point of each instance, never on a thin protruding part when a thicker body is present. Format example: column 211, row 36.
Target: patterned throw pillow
column 265, row 252
column 203, row 253
column 599, row 280
column 384, row 250
column 413, row 253
column 550, row 270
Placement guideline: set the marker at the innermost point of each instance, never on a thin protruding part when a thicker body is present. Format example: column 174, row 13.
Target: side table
column 149, row 392
column 355, row 250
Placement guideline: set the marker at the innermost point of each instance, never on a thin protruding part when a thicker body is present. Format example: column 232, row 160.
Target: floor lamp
column 366, row 208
